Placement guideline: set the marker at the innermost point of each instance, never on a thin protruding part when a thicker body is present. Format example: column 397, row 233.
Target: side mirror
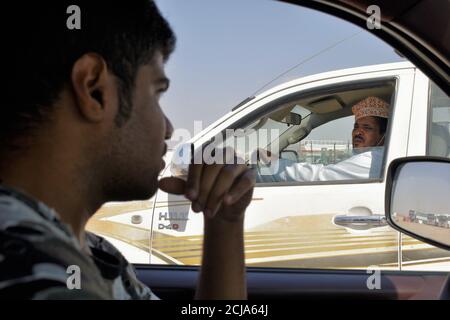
column 417, row 199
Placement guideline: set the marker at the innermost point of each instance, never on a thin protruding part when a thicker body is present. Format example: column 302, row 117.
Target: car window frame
column 430, row 116
column 319, row 90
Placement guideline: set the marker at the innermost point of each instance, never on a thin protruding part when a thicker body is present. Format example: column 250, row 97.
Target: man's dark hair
column 41, row 51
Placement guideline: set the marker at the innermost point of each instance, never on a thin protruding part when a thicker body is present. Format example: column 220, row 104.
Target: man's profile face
column 366, row 133
column 139, row 144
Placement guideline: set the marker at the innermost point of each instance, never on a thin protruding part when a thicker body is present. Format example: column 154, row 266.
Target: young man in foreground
column 81, row 126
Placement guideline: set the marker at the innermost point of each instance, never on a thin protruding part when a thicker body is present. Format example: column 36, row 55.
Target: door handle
column 360, row 222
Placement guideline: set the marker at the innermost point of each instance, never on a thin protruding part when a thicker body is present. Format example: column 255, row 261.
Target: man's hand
column 264, row 156
column 221, row 191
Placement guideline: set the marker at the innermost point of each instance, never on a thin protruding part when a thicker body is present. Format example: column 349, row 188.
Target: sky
column 227, row 50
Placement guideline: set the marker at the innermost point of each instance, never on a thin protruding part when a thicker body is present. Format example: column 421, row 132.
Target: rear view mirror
column 292, row 119
column 418, row 199
column 291, row 155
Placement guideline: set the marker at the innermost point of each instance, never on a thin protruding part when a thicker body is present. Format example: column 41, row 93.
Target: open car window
column 438, row 143
column 319, row 148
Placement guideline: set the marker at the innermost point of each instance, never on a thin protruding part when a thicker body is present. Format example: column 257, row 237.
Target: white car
column 318, row 224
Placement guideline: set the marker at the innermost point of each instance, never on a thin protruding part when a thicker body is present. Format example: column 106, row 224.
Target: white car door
column 291, row 224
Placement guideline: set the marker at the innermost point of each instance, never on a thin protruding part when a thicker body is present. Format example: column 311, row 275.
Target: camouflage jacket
column 40, row 258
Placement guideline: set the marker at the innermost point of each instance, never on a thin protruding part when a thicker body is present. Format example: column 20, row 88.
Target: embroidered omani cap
column 371, row 106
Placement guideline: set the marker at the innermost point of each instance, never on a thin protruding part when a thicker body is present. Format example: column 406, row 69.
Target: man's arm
column 222, row 192
column 361, row 166
column 222, row 275
column 270, row 168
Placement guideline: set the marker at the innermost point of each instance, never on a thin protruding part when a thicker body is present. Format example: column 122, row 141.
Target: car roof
column 307, row 79
column 336, row 74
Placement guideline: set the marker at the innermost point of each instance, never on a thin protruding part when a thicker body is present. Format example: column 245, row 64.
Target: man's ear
column 90, row 83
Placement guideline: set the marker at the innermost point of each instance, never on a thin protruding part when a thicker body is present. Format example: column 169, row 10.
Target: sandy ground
column 438, row 234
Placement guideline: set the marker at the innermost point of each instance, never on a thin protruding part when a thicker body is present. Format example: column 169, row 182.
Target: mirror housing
column 292, row 119
column 417, row 199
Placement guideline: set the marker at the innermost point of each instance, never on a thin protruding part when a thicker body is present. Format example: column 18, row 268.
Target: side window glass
column 417, row 255
column 328, row 144
column 342, row 137
column 439, row 123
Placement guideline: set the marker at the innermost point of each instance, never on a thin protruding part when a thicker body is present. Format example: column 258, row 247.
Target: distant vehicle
column 439, row 220
column 442, row 221
column 412, row 216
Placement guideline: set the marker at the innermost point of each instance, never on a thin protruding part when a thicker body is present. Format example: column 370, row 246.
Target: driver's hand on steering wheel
column 264, row 156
